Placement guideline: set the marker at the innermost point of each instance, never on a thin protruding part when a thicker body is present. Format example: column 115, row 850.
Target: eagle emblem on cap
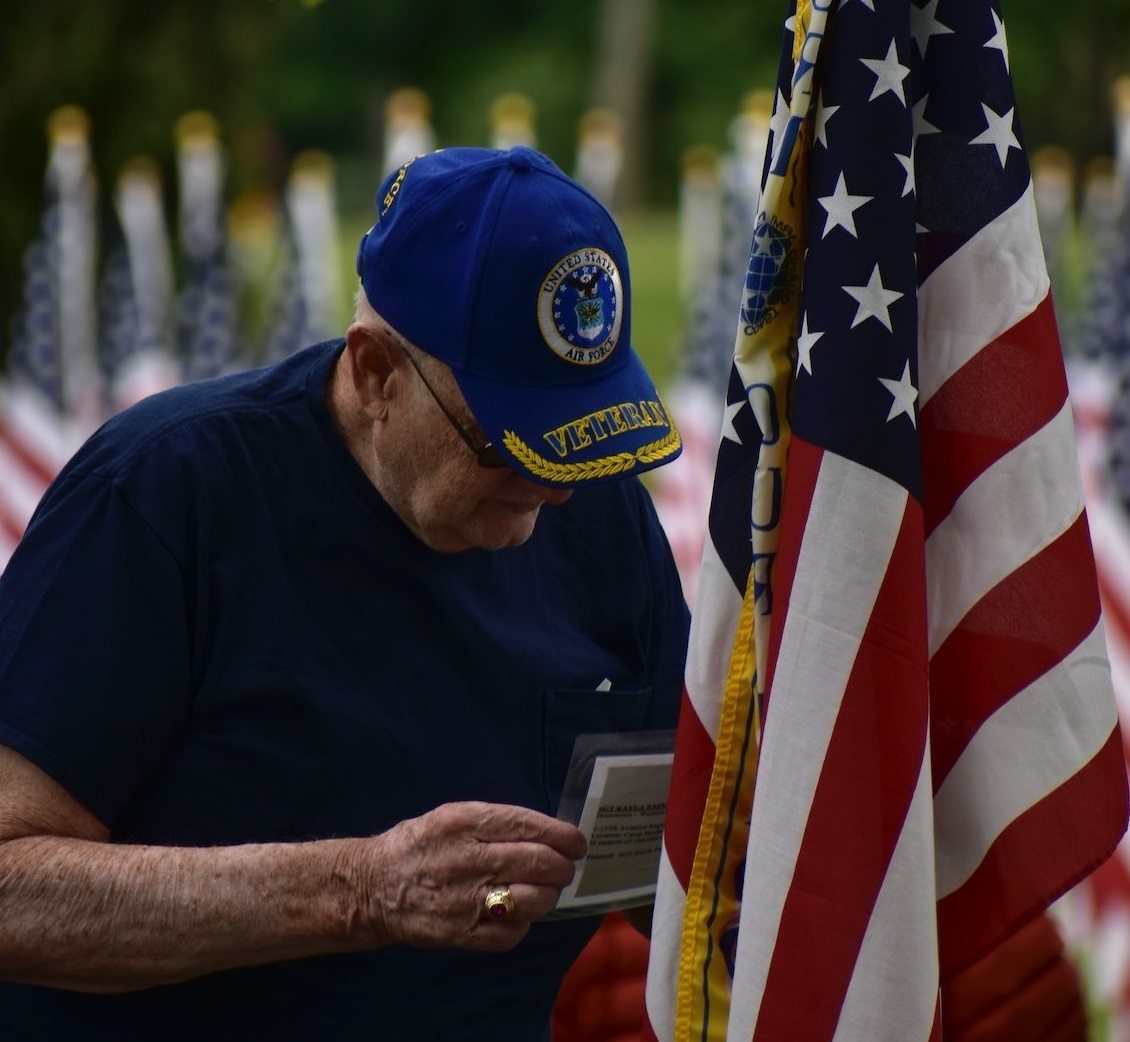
column 580, row 306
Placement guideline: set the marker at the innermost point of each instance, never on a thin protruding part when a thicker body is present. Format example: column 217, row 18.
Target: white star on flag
column 729, row 431
column 778, row 121
column 905, row 395
column 874, row 300
column 998, row 133
column 889, row 74
column 823, row 114
column 840, row 207
column 805, row 342
column 924, row 24
column 998, row 39
column 907, row 164
column 921, row 127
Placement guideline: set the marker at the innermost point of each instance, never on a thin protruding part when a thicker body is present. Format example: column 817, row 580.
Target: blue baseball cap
column 512, row 273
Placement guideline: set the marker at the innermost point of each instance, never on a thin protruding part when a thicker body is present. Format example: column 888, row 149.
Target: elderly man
column 292, row 662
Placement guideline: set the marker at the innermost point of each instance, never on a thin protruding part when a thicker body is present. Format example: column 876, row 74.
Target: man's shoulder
column 202, row 416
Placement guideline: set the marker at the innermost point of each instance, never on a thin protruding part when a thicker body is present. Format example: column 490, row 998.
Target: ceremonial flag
column 32, row 450
column 600, row 153
column 1097, row 914
column 718, row 207
column 206, row 319
column 52, row 396
column 897, row 630
column 136, row 303
column 306, row 306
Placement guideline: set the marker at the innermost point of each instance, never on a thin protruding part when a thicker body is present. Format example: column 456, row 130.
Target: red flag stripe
column 1044, row 734
column 11, row 532
column 1001, row 646
column 690, row 780
column 889, row 665
column 996, row 400
column 828, row 604
column 1003, row 519
column 1079, row 815
column 25, row 456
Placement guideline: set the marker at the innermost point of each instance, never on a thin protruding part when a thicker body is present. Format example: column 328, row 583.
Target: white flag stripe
column 1029, row 747
column 1110, row 532
column 975, row 296
column 708, row 660
column 1005, row 517
column 900, row 943
column 1110, row 536
column 42, row 433
column 1119, row 652
column 33, row 448
column 663, row 957
column 20, row 490
column 853, row 524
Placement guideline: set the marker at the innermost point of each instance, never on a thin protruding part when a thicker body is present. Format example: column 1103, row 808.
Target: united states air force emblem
column 772, row 272
column 580, row 306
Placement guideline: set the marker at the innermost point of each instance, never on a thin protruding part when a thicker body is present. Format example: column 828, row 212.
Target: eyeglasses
column 486, row 455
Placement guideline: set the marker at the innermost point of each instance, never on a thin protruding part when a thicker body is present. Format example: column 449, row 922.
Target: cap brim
column 570, row 436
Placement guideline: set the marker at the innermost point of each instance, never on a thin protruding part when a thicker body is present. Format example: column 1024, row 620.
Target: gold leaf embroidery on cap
column 590, row 470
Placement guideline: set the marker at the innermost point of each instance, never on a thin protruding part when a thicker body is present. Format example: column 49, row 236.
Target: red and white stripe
column 1096, row 916
column 32, row 451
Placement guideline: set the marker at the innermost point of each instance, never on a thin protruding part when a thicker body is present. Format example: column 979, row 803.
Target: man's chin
column 511, row 530
column 495, row 534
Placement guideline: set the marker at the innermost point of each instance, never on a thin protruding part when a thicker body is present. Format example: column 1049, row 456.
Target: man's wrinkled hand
column 425, row 881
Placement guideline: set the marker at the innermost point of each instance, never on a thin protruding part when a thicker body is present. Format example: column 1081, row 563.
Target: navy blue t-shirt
column 216, row 632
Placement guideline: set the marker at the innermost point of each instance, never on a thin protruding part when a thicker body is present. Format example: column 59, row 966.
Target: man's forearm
column 91, row 915
column 102, row 917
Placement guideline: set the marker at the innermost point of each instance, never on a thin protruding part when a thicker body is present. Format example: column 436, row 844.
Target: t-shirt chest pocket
column 571, row 713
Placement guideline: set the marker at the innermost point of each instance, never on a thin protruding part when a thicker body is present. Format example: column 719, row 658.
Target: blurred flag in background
column 136, row 305
column 306, row 303
column 52, row 396
column 206, row 321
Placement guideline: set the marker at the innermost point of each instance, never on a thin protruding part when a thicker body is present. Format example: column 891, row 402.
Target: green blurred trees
column 284, row 75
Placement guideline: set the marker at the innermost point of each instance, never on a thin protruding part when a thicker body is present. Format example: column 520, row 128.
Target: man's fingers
column 434, row 874
column 526, row 863
column 530, row 903
column 491, row 823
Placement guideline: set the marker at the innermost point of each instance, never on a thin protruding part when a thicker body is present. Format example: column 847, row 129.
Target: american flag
column 206, row 319
column 911, row 588
column 717, row 211
column 32, row 450
column 136, row 296
column 1096, row 914
column 307, row 304
column 51, row 397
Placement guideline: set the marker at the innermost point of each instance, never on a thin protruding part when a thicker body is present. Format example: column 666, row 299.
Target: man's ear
column 373, row 359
